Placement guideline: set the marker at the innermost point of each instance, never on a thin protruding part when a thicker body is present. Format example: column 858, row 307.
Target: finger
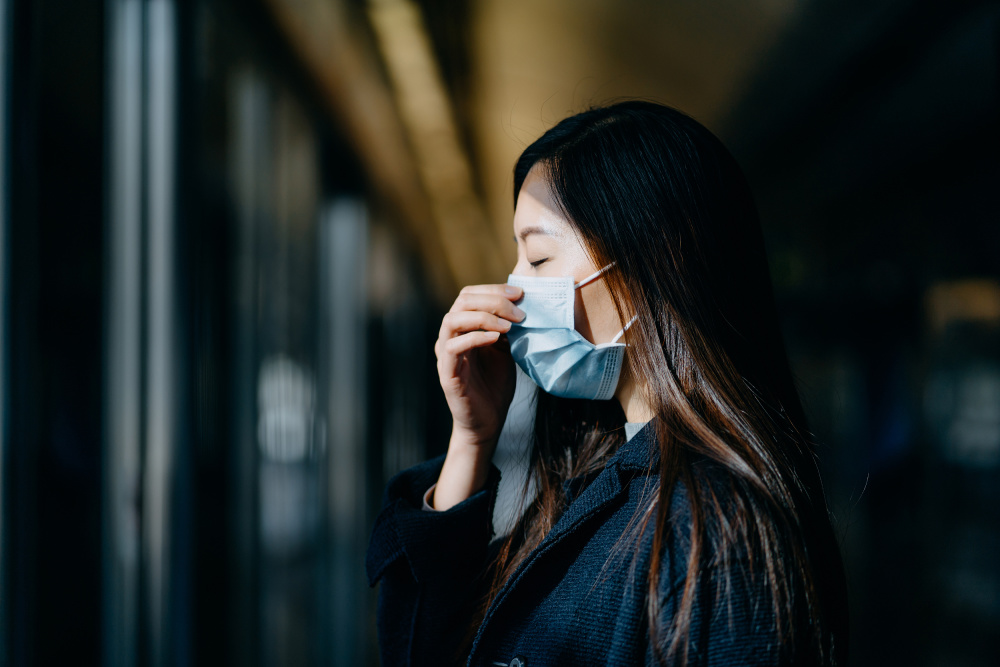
column 511, row 292
column 452, row 349
column 461, row 344
column 488, row 303
column 471, row 320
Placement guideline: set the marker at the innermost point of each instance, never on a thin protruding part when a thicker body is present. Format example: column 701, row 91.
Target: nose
column 521, row 268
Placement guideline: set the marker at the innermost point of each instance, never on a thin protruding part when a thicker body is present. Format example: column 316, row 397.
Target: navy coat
column 558, row 608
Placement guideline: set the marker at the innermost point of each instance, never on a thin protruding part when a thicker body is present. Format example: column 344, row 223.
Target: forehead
column 537, row 211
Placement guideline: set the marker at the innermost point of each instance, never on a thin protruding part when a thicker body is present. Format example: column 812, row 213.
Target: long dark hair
column 653, row 191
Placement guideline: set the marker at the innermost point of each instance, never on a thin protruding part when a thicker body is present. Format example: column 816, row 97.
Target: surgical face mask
column 549, row 349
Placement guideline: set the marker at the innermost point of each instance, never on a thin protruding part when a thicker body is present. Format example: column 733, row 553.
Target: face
column 549, row 246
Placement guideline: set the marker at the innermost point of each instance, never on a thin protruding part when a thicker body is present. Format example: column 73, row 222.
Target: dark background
column 302, row 362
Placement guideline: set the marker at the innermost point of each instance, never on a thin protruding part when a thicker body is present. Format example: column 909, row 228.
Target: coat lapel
column 634, row 455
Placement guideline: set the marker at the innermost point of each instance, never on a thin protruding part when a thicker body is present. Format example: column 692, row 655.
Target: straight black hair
column 653, row 191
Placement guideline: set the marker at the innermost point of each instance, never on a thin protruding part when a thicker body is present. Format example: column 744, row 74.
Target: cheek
column 575, row 258
column 595, row 315
column 581, row 318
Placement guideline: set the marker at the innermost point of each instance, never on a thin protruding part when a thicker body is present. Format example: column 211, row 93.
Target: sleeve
column 427, row 499
column 431, row 565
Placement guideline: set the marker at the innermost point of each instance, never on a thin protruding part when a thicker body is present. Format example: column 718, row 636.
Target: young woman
column 674, row 512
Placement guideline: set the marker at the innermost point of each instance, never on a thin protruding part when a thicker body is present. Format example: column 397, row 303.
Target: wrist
column 471, row 444
column 464, row 473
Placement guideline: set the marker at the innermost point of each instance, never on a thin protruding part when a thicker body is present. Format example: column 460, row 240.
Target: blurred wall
column 202, row 276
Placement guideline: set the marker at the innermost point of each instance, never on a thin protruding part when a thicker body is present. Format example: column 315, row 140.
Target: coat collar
column 641, row 452
column 632, row 457
column 635, row 455
column 638, row 453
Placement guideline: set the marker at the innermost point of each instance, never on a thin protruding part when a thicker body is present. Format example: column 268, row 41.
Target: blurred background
column 229, row 229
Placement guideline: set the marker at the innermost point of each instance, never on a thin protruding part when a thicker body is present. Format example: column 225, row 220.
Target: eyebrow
column 533, row 229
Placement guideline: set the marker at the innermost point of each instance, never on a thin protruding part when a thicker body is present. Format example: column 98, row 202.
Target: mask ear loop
column 592, row 277
column 622, row 332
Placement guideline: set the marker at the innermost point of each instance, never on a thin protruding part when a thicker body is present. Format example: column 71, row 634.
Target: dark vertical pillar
column 51, row 342
column 5, row 42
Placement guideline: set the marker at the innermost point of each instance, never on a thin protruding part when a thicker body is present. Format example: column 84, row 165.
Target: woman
column 677, row 515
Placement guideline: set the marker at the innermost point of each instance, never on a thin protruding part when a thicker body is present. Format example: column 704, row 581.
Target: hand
column 474, row 363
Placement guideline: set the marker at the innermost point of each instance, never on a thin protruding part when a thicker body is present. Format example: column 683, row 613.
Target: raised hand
column 477, row 375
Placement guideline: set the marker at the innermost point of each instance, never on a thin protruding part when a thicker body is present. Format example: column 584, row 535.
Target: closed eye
column 539, row 261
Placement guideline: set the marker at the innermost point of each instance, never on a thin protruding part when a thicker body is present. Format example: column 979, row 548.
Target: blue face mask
column 549, row 349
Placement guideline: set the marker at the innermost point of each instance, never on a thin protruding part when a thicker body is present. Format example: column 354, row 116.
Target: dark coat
column 558, row 608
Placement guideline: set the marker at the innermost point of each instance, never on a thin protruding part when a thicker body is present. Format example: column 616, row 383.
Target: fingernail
column 511, row 290
column 519, row 312
column 507, row 324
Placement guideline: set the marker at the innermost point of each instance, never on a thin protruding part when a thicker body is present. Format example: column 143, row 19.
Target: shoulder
column 731, row 551
column 707, row 582
column 705, row 483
